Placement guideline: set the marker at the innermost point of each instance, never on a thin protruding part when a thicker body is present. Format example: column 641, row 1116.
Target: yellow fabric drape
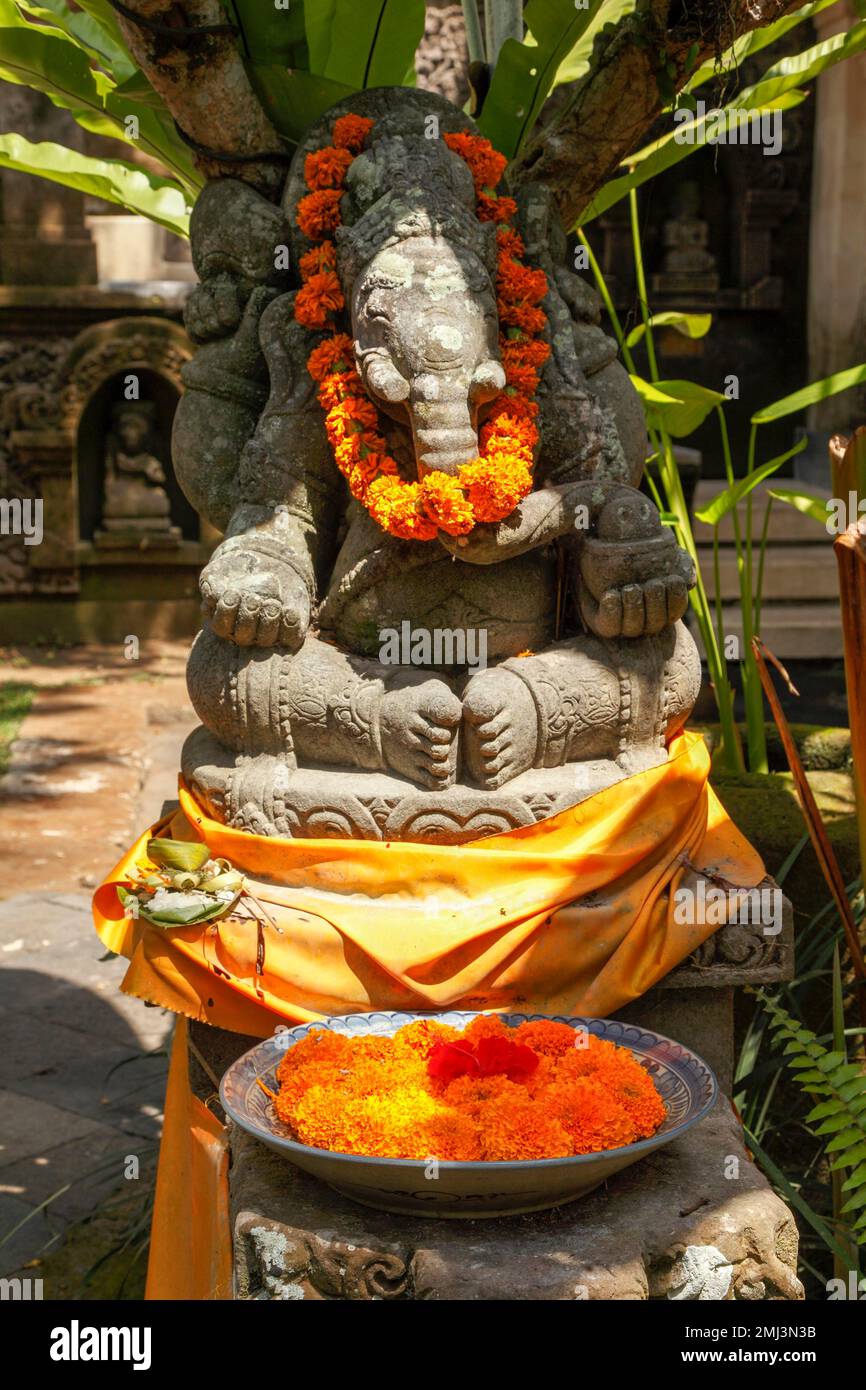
column 190, row 1235
column 572, row 915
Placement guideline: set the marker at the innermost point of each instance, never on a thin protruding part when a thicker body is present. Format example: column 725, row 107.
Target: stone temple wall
column 442, row 60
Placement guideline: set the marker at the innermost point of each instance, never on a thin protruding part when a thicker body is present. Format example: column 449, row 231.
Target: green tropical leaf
column 525, row 72
column 690, row 325
column 793, row 1196
column 103, row 12
column 99, row 41
column 810, row 395
column 364, row 43
column 680, row 406
column 818, row 1070
column 800, row 68
column 133, row 188
column 856, row 1178
column 610, row 12
column 293, row 100
column 667, row 151
column 777, row 90
column 47, row 59
column 805, row 502
column 749, row 44
column 726, row 501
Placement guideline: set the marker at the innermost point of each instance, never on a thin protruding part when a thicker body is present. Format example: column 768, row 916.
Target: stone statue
column 134, row 499
column 688, row 265
column 307, row 730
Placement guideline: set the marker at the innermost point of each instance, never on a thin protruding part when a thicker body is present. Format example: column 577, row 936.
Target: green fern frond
column 840, row 1113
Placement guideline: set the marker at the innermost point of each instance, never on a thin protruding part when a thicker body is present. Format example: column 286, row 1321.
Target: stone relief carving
column 134, row 498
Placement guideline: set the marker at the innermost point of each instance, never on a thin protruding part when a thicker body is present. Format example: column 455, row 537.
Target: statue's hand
column 214, row 308
column 633, row 588
column 254, row 599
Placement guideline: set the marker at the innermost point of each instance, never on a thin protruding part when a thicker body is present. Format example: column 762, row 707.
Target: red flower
column 487, row 1057
column 449, row 1060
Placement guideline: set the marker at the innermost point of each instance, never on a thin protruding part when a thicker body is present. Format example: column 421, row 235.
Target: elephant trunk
column 443, row 430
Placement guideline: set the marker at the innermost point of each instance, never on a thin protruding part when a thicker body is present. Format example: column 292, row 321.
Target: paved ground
column 82, row 1067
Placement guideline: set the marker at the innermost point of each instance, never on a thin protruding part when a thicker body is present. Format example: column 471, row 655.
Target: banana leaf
column 726, row 501
column 187, row 916
column 128, row 185
column 810, row 395
column 689, row 325
column 364, row 43
column 680, row 406
column 525, row 73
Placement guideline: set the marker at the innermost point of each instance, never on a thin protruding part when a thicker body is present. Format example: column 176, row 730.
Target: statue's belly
column 512, row 604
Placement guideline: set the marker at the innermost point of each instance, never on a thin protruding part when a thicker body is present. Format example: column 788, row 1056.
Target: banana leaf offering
column 184, row 886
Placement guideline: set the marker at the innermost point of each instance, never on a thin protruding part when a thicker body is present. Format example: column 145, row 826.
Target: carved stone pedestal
column 696, row 1220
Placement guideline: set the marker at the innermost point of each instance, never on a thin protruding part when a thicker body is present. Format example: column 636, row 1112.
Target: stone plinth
column 695, row 1221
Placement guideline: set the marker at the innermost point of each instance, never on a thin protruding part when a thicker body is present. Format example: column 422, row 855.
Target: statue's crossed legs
column 578, row 700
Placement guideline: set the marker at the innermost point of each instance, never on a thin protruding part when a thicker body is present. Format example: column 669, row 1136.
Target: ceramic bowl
column 467, row 1189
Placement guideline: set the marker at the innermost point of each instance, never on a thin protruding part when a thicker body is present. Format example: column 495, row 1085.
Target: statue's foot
column 418, row 722
column 501, row 727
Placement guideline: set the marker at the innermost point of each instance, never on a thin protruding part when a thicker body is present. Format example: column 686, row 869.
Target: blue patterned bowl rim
column 683, row 1060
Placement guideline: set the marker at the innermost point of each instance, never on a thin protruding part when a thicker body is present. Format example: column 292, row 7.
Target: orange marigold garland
column 488, row 488
column 492, row 1092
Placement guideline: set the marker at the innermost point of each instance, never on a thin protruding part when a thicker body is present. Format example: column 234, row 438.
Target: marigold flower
column 496, row 486
column 445, row 502
column 547, row 1036
column 385, row 1096
column 339, row 387
column 525, row 316
column 510, row 242
column 321, row 257
column 394, row 505
column 486, row 164
column 318, row 299
column 335, row 354
column 326, row 168
column 493, row 209
column 318, row 213
column 350, row 132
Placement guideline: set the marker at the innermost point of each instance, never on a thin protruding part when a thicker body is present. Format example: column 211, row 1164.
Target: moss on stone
column 821, row 747
column 766, row 810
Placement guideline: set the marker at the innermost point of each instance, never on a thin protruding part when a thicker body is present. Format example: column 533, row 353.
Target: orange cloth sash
column 572, row 915
column 190, row 1235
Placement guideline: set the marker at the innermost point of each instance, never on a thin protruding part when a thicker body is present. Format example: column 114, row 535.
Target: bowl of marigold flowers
column 464, row 1114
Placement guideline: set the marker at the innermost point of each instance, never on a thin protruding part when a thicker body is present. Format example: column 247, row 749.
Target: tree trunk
column 203, row 82
column 611, row 108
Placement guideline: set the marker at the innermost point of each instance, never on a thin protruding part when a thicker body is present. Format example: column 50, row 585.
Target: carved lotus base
column 267, row 797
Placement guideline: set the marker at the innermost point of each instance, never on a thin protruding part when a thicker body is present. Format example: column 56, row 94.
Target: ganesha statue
column 407, row 423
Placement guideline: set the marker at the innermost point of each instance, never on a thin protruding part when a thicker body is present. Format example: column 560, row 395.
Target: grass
column 15, row 702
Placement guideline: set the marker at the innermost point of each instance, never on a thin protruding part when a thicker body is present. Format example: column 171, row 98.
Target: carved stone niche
column 91, row 439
